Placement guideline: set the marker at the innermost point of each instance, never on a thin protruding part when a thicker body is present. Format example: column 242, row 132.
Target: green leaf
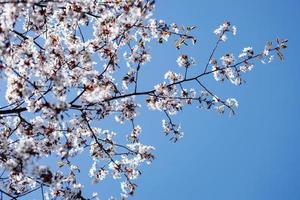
column 189, row 28
column 283, row 46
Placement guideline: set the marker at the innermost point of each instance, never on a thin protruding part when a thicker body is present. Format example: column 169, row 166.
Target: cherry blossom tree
column 61, row 63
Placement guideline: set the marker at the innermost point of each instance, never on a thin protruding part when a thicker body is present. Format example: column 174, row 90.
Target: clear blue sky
column 253, row 155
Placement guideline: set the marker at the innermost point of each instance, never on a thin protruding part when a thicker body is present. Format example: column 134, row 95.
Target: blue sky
column 253, row 155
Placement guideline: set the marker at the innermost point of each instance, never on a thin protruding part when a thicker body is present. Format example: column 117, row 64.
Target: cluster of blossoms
column 223, row 28
column 232, row 69
column 61, row 63
column 185, row 61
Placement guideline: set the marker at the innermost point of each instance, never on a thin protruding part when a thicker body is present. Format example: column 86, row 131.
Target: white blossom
column 232, row 102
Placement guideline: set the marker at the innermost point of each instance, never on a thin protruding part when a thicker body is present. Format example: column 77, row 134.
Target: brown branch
column 26, row 38
column 213, row 51
column 18, row 110
column 149, row 91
